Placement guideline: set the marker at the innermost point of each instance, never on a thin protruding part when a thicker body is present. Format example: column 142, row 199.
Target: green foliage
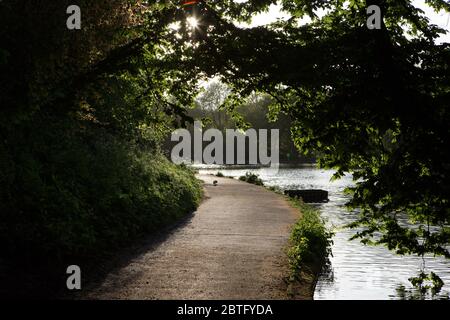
column 427, row 282
column 219, row 174
column 310, row 240
column 252, row 178
column 98, row 194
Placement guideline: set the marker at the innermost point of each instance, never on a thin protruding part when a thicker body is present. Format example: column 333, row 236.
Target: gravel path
column 231, row 248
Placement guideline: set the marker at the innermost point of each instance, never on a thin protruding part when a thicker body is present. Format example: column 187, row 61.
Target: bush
column 79, row 195
column 252, row 178
column 310, row 240
column 219, row 174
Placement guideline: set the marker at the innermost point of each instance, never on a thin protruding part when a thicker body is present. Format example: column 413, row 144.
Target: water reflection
column 356, row 271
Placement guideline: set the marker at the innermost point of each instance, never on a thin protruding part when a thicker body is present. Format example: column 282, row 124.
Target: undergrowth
column 310, row 241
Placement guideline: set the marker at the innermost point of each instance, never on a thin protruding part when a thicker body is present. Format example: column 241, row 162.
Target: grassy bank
column 72, row 199
column 310, row 246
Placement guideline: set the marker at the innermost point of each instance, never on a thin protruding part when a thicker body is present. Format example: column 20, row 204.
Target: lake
column 356, row 271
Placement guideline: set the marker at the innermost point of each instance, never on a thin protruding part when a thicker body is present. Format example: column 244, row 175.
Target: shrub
column 77, row 196
column 310, row 240
column 252, row 178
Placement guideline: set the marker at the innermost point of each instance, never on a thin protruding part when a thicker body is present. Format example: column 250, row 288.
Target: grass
column 252, row 178
column 73, row 200
column 310, row 242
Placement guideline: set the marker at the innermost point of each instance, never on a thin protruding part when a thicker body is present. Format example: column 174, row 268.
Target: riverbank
column 233, row 247
column 310, row 247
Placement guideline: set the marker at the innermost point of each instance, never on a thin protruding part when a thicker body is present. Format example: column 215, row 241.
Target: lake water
column 356, row 271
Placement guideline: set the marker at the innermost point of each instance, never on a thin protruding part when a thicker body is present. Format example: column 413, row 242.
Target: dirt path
column 231, row 248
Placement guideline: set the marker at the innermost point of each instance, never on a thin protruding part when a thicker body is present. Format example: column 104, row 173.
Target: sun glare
column 193, row 22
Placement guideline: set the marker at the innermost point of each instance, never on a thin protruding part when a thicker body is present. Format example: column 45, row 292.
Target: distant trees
column 253, row 112
column 210, row 101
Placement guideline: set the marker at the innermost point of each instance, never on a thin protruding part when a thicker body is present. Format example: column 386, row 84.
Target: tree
column 371, row 102
column 211, row 100
column 254, row 112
